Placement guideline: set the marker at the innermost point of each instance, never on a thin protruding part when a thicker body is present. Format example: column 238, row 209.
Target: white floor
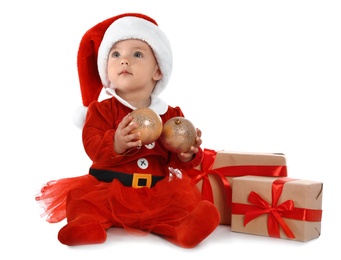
column 37, row 240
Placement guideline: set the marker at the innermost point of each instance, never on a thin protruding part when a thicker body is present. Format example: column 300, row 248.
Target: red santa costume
column 142, row 190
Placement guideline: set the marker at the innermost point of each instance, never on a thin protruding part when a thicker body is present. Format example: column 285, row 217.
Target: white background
column 256, row 76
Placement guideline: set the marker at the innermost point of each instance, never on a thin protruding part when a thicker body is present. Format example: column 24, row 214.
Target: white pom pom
column 79, row 116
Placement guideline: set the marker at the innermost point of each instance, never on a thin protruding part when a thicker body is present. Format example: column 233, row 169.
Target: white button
column 150, row 146
column 142, row 163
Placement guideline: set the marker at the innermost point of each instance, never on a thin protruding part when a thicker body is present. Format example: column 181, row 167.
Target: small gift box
column 215, row 173
column 277, row 207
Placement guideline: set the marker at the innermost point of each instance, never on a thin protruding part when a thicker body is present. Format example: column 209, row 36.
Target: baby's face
column 132, row 66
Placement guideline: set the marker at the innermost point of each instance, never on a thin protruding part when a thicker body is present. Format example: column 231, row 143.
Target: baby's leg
column 192, row 229
column 86, row 223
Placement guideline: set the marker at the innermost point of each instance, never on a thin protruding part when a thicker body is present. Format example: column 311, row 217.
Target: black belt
column 136, row 180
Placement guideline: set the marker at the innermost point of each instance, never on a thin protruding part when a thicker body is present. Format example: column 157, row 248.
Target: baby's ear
column 157, row 75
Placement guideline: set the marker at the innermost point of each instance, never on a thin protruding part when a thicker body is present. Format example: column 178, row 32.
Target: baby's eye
column 115, row 54
column 138, row 54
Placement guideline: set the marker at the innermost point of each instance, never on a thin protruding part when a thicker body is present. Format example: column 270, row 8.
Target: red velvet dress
column 113, row 203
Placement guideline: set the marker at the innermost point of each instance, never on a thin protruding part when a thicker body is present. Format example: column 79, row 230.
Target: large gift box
column 277, row 207
column 215, row 173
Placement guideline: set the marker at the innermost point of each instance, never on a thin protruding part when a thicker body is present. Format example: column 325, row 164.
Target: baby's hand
column 123, row 139
column 187, row 156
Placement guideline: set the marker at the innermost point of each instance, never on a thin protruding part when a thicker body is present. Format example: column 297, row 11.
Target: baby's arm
column 123, row 139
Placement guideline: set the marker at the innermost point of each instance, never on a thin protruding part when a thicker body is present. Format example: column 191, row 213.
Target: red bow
column 274, row 214
column 206, row 169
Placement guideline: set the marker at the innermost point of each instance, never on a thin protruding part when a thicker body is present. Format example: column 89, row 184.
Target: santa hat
column 95, row 46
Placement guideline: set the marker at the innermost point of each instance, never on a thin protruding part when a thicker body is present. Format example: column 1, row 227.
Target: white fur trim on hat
column 137, row 28
column 79, row 116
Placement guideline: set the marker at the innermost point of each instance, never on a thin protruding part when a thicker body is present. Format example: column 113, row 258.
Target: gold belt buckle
column 138, row 177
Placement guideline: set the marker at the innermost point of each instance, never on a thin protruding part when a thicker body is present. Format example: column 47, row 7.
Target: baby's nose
column 124, row 62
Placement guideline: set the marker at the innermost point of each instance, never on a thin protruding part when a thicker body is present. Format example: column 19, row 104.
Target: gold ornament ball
column 149, row 124
column 178, row 134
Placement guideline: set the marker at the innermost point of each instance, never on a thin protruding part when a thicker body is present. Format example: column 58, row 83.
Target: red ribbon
column 275, row 212
column 229, row 171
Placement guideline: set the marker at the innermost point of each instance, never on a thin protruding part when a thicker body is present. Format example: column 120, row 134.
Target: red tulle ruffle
column 137, row 209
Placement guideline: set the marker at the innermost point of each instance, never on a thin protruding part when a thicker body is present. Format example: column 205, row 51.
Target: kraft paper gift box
column 215, row 173
column 277, row 207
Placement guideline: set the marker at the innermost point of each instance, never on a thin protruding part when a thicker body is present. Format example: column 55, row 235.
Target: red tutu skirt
column 170, row 200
